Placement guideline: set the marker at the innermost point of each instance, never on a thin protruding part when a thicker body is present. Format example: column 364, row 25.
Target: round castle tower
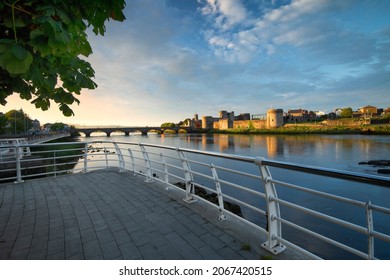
column 274, row 118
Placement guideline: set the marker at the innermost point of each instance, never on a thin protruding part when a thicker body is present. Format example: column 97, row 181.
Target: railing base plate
column 148, row 180
column 189, row 200
column 276, row 250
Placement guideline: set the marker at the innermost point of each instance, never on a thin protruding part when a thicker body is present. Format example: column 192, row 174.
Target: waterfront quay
column 112, row 215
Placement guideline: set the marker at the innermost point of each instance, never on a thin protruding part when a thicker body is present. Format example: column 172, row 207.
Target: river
column 343, row 152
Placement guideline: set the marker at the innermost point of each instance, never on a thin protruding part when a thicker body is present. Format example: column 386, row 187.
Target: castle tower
column 274, row 118
column 207, row 122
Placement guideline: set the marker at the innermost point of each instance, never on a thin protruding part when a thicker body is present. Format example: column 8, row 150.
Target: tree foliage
column 168, row 124
column 346, row 112
column 41, row 42
column 17, row 121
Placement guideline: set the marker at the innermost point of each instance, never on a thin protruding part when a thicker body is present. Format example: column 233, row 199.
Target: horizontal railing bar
column 296, row 248
column 175, row 166
column 177, row 177
column 262, row 195
column 319, row 193
column 209, row 153
column 198, row 163
column 322, row 216
column 380, row 235
column 205, row 187
column 239, row 172
column 324, row 238
column 379, row 208
column 346, row 175
column 202, row 175
column 261, row 211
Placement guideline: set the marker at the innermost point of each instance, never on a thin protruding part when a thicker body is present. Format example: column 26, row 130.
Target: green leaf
column 39, row 42
column 66, row 110
column 41, row 103
column 16, row 60
column 5, row 44
column 20, row 65
column 19, row 22
column 19, row 52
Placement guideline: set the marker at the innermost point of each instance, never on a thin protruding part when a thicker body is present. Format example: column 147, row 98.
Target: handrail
column 346, row 175
column 173, row 163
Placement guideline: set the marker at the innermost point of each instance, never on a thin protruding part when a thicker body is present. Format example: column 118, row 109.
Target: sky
column 171, row 59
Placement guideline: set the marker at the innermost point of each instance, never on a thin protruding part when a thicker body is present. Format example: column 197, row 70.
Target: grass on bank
column 307, row 129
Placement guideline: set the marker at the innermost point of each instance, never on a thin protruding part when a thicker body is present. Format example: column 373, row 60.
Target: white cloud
column 226, row 13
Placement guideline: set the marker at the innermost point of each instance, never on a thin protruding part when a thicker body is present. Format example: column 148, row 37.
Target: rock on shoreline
column 379, row 163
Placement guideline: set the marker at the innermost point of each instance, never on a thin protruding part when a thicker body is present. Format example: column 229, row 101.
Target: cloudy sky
column 173, row 58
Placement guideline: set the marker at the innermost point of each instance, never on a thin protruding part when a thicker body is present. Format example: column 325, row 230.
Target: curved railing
column 224, row 180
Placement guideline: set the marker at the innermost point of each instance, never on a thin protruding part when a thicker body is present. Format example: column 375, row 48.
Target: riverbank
column 293, row 129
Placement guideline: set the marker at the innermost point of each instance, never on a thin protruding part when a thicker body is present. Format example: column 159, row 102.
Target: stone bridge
column 128, row 130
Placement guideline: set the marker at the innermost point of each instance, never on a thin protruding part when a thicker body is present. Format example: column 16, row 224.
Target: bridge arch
column 125, row 130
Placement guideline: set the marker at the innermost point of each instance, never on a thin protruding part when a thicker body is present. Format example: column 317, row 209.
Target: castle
column 226, row 120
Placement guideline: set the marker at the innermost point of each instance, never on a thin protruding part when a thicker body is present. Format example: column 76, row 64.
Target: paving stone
column 121, row 236
column 209, row 253
column 130, row 251
column 150, row 252
column 212, row 240
column 88, row 235
column 182, row 246
column 73, row 247
column 228, row 253
column 110, row 250
column 56, row 246
column 105, row 235
column 92, row 249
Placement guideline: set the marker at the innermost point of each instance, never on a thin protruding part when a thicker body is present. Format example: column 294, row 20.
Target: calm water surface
column 332, row 151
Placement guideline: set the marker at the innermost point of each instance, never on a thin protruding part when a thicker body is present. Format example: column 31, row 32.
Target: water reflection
column 334, row 151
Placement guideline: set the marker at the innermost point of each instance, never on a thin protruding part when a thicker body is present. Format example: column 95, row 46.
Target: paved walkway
column 109, row 215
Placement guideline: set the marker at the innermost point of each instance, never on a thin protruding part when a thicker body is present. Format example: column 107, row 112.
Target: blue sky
column 173, row 58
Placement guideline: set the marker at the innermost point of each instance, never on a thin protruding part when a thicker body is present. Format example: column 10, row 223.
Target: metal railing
column 223, row 180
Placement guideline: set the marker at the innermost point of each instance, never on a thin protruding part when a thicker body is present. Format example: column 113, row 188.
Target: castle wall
column 274, row 119
column 256, row 124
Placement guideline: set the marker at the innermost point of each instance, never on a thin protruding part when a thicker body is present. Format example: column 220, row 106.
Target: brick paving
column 106, row 215
column 111, row 215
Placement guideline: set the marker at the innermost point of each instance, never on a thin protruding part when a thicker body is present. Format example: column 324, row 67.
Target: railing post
column 148, row 165
column 132, row 161
column 85, row 169
column 190, row 189
column 105, row 151
column 55, row 164
column 273, row 211
column 166, row 174
column 122, row 167
column 222, row 215
column 18, row 156
column 370, row 229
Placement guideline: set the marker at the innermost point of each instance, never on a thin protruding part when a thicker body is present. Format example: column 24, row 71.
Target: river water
column 343, row 152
